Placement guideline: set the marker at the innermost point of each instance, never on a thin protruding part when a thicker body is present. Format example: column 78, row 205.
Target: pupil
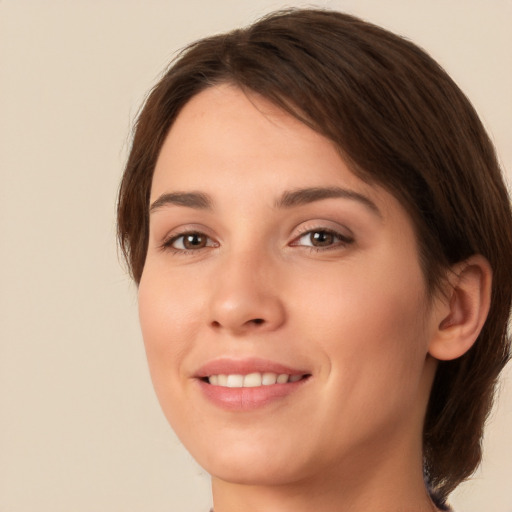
column 321, row 238
column 193, row 241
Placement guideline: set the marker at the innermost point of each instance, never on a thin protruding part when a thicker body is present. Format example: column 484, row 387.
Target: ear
column 461, row 314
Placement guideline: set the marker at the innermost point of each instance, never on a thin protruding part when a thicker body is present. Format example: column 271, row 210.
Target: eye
column 322, row 238
column 190, row 241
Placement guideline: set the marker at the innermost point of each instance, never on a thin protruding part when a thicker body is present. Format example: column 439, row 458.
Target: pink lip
column 246, row 399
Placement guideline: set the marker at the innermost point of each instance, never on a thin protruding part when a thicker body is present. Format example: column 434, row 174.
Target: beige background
column 80, row 429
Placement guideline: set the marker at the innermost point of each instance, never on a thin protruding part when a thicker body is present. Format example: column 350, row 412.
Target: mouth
column 242, row 385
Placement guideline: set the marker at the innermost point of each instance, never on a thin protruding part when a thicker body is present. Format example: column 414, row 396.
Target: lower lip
column 246, row 399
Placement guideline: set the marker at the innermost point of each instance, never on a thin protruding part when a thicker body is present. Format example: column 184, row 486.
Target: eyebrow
column 304, row 196
column 196, row 200
column 289, row 199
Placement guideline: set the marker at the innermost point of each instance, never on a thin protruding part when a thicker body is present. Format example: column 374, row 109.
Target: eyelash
column 342, row 241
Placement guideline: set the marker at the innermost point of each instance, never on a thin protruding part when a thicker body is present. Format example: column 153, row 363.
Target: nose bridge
column 245, row 294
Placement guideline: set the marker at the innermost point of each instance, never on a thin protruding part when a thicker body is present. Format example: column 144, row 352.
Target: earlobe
column 463, row 312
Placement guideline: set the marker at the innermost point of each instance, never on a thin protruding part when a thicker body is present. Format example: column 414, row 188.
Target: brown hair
column 401, row 122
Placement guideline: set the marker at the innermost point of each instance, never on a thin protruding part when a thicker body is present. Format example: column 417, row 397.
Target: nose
column 245, row 297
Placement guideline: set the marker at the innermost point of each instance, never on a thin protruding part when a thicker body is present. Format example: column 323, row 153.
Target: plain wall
column 80, row 428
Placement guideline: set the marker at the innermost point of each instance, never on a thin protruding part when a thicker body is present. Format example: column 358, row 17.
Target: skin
column 353, row 314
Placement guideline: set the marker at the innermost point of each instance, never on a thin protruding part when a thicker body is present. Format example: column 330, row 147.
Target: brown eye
column 194, row 241
column 321, row 238
column 189, row 242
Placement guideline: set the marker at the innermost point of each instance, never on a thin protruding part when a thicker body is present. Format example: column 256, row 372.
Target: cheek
column 370, row 325
column 364, row 299
column 168, row 314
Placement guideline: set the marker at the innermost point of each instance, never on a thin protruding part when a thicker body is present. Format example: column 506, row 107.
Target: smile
column 248, row 384
column 252, row 380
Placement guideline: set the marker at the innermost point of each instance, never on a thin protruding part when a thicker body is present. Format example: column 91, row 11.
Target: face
column 282, row 302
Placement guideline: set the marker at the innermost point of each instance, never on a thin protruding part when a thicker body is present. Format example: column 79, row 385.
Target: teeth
column 268, row 379
column 235, row 381
column 252, row 380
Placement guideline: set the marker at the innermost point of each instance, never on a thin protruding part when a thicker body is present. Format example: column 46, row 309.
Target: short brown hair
column 399, row 121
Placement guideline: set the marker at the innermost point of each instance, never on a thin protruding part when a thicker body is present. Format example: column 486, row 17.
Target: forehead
column 242, row 134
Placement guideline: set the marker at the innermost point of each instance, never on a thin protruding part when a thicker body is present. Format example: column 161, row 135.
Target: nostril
column 239, row 324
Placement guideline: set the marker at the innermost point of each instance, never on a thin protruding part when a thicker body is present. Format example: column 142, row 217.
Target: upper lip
column 228, row 366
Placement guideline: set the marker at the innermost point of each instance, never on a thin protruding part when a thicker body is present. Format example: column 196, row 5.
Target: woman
column 321, row 237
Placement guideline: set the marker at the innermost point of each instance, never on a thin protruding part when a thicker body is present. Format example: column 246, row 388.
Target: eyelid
column 324, row 225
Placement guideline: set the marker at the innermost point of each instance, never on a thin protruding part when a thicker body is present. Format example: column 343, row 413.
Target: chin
column 257, row 475
column 252, row 465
